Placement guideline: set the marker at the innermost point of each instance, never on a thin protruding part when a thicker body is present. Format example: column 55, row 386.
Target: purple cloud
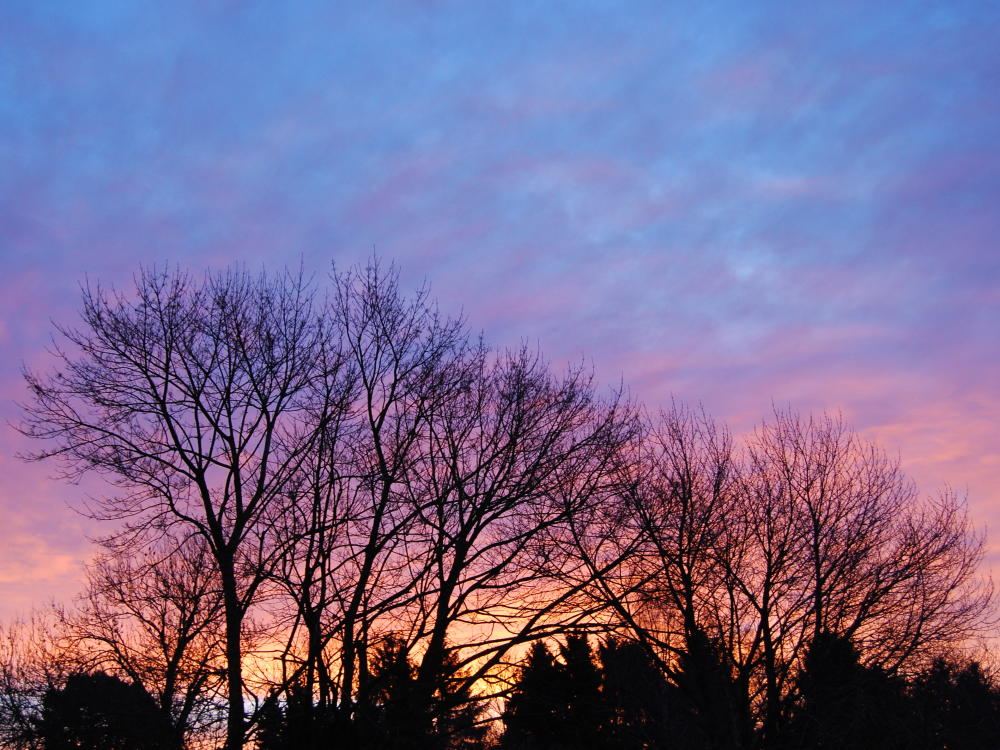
column 731, row 203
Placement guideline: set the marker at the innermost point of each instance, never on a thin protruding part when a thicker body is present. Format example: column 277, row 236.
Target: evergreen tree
column 271, row 725
column 532, row 717
column 955, row 707
column 583, row 710
column 397, row 714
column 616, row 703
column 456, row 712
column 709, row 711
column 844, row 704
column 391, row 715
column 296, row 723
column 100, row 712
column 974, row 723
column 636, row 698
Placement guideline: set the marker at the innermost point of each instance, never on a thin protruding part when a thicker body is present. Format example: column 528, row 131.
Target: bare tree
column 895, row 572
column 829, row 536
column 436, row 519
column 308, row 575
column 513, row 457
column 360, row 470
column 664, row 530
column 155, row 620
column 408, row 360
column 33, row 659
column 762, row 557
column 807, row 530
column 199, row 402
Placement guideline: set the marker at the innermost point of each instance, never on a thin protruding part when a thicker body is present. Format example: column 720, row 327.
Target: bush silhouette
column 100, row 712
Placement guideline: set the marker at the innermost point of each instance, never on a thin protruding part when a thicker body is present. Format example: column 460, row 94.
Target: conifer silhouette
column 100, row 712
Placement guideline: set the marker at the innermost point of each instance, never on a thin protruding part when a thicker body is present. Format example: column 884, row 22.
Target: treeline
column 617, row 699
column 343, row 521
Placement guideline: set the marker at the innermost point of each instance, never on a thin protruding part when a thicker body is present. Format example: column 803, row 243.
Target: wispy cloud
column 731, row 202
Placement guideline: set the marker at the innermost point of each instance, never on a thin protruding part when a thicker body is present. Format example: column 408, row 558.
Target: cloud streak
column 735, row 204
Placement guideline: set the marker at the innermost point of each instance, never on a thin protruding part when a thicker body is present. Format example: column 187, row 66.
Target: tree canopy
column 340, row 519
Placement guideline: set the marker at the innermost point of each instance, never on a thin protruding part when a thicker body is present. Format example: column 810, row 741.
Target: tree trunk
column 234, row 658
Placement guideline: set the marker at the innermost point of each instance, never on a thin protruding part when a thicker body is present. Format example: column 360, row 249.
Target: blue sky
column 738, row 203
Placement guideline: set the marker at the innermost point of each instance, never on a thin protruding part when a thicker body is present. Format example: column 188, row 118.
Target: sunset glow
column 741, row 206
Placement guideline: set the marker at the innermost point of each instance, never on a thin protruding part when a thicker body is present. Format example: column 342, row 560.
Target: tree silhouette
column 271, row 725
column 391, row 712
column 296, row 723
column 335, row 470
column 100, row 712
column 710, row 711
column 32, row 662
column 583, row 710
column 534, row 711
column 457, row 713
column 153, row 618
column 618, row 702
column 955, row 706
column 396, row 713
column 845, row 704
column 637, row 699
column 804, row 528
column 200, row 403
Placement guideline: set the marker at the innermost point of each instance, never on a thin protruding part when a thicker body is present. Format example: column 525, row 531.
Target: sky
column 738, row 204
